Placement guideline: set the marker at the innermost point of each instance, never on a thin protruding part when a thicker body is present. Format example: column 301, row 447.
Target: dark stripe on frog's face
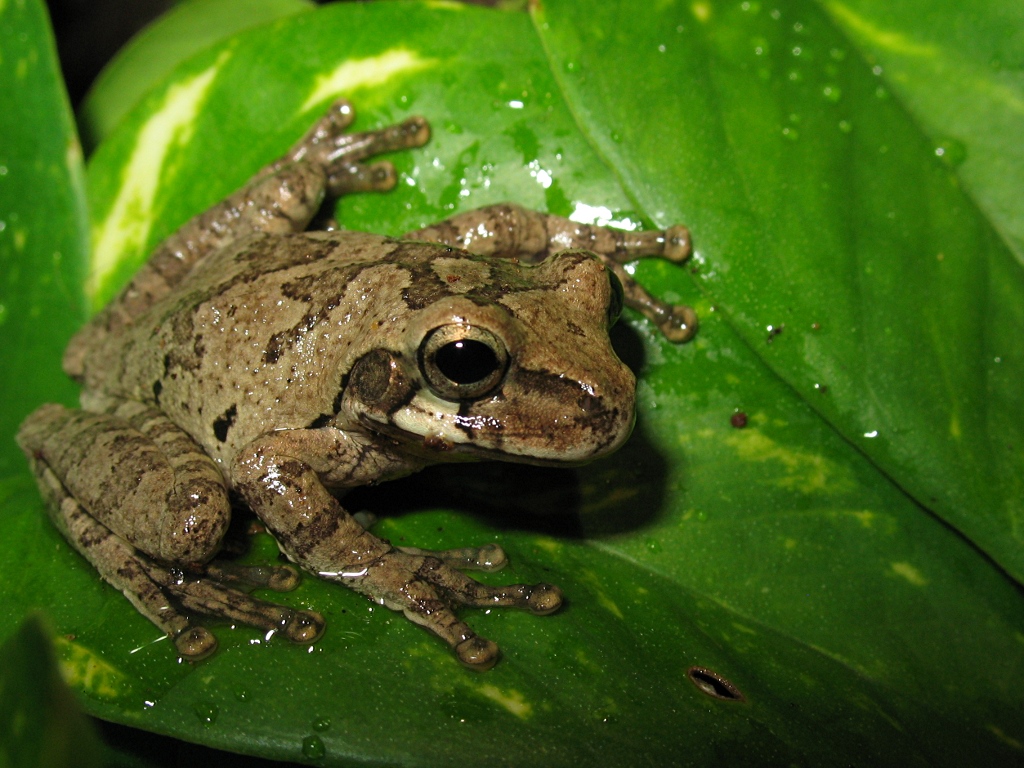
column 554, row 416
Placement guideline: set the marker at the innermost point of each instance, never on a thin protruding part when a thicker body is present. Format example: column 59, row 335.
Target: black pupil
column 466, row 361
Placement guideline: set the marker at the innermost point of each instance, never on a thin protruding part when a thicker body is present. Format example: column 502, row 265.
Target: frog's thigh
column 138, row 474
column 54, row 437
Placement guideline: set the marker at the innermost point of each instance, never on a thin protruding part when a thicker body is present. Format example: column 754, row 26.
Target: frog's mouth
column 441, row 431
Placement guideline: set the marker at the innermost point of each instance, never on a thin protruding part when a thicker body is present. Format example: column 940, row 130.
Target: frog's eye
column 616, row 300
column 462, row 362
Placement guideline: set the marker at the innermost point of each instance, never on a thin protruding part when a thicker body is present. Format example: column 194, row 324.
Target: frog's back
column 257, row 336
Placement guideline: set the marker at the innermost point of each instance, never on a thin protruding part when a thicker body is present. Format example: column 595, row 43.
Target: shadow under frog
column 251, row 358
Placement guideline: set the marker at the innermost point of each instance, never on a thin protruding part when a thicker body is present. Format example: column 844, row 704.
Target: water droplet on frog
column 570, row 66
column 322, row 724
column 790, row 133
column 313, row 748
column 616, row 137
column 207, row 713
column 832, row 92
column 242, row 694
column 951, row 151
column 845, row 126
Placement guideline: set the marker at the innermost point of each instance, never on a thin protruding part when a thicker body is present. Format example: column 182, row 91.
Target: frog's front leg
column 511, row 231
column 282, row 197
column 139, row 500
column 282, row 476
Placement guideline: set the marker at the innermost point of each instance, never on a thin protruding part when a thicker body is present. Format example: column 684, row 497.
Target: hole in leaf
column 714, row 685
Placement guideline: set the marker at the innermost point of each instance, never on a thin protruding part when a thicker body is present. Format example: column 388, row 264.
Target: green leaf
column 777, row 556
column 829, row 217
column 183, row 31
column 41, row 724
column 43, row 223
column 959, row 76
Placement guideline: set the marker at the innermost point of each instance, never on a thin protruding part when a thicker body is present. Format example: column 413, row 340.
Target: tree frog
column 252, row 359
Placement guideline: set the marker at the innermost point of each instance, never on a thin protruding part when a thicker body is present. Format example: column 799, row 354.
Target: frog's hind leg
column 102, row 474
column 508, row 230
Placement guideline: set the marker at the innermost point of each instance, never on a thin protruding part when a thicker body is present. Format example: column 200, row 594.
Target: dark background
column 90, row 32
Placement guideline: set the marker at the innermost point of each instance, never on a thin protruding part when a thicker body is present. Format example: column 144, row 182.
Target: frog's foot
column 341, row 154
column 677, row 322
column 425, row 588
column 219, row 590
column 173, row 597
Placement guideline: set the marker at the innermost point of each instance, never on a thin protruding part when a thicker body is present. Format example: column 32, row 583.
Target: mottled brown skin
column 287, row 366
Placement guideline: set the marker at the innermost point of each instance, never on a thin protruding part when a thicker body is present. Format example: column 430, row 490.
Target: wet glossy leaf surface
column 842, row 249
column 183, row 31
column 961, row 76
column 43, row 227
column 775, row 555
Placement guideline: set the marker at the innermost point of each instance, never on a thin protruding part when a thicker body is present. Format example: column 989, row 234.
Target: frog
column 258, row 361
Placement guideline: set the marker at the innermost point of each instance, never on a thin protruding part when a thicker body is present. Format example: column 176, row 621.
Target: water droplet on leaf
column 951, row 151
column 313, row 748
column 206, row 712
column 832, row 92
